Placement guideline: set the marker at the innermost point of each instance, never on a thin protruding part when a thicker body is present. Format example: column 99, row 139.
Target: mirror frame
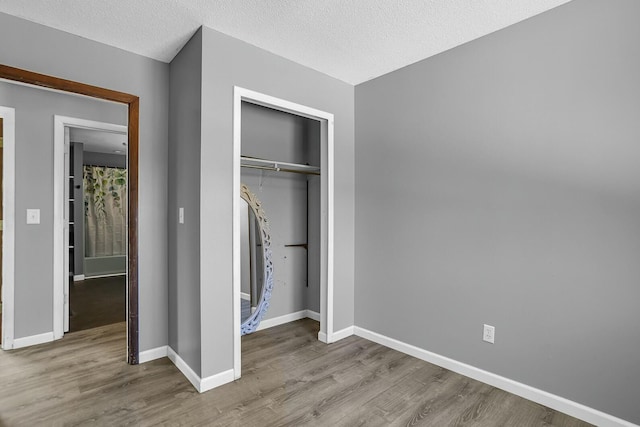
column 251, row 324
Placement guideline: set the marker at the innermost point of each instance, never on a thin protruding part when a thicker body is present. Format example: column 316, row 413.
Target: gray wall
column 314, row 220
column 499, row 183
column 275, row 135
column 228, row 62
column 57, row 53
column 34, row 113
column 184, row 191
column 245, row 249
column 105, row 159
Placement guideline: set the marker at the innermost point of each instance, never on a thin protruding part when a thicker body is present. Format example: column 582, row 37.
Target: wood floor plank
column 289, row 378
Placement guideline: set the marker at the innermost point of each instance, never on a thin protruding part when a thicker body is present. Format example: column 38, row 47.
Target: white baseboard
column 153, row 354
column 186, row 370
column 552, row 401
column 78, row 278
column 313, row 315
column 245, row 296
column 200, row 384
column 32, row 340
column 291, row 317
column 330, row 338
column 216, row 380
column 341, row 334
column 281, row 320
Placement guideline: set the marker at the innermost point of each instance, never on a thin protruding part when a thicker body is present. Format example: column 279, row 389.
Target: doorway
column 133, row 105
column 95, row 229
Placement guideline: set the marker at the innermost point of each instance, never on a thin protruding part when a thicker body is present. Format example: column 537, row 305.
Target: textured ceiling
column 352, row 40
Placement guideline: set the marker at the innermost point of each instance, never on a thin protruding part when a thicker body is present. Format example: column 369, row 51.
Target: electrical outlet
column 489, row 333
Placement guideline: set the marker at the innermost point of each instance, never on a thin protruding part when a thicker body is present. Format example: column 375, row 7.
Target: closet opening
column 283, row 216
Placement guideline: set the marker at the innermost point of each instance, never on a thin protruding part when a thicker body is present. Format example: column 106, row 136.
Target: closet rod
column 275, row 165
column 279, row 169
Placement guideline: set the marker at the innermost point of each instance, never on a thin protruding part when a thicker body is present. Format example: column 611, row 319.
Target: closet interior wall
column 291, row 202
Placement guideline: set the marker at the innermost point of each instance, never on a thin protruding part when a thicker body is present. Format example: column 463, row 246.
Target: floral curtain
column 105, row 211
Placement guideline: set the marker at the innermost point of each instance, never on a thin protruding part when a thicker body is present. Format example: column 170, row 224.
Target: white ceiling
column 352, row 40
column 100, row 141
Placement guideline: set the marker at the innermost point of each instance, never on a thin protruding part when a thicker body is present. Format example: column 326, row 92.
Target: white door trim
column 327, row 204
column 8, row 233
column 60, row 222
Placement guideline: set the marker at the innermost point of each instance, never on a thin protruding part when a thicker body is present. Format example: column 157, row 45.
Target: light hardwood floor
column 289, row 379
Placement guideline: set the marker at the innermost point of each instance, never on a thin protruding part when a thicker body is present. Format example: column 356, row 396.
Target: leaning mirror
column 255, row 262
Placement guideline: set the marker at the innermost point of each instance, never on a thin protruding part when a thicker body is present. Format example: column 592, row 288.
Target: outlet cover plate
column 489, row 333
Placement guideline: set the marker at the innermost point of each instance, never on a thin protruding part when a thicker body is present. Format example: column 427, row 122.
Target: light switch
column 181, row 215
column 33, row 216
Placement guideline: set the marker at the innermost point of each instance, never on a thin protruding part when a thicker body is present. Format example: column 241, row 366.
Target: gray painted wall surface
column 34, row 113
column 184, row 191
column 284, row 199
column 499, row 183
column 57, row 53
column 245, row 249
column 105, row 159
column 228, row 62
column 280, row 136
column 314, row 243
column 314, row 219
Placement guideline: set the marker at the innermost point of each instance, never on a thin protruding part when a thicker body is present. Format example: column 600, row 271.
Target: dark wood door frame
column 133, row 102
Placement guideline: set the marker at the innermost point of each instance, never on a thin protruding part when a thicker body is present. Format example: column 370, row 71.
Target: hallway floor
column 97, row 302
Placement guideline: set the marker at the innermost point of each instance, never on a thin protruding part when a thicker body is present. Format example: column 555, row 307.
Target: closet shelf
column 274, row 165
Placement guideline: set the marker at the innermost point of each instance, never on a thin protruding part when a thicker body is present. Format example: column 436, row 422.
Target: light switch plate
column 33, row 216
column 181, row 215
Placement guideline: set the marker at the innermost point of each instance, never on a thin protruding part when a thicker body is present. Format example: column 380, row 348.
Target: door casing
column 133, row 104
column 8, row 233
column 60, row 214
